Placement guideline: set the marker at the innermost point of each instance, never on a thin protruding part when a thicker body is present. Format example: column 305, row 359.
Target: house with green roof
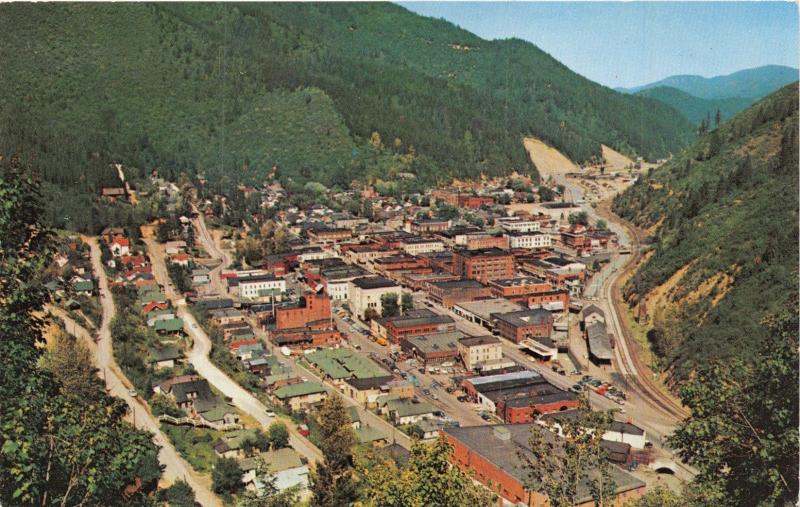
column 301, row 395
column 407, row 411
column 150, row 296
column 83, row 287
column 165, row 357
column 231, row 445
column 169, row 326
column 342, row 364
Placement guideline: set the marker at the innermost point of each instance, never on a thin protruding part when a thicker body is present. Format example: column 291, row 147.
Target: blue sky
column 634, row 43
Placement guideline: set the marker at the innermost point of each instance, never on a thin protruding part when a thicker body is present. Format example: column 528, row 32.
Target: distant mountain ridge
column 751, row 83
column 694, row 108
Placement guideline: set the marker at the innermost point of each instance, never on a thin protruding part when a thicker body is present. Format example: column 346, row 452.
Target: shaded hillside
column 725, row 216
column 752, row 83
column 694, row 108
column 210, row 87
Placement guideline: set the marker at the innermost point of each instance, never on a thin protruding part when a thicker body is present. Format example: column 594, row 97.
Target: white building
column 478, row 350
column 366, row 293
column 256, row 287
column 519, row 225
column 416, row 246
column 529, row 240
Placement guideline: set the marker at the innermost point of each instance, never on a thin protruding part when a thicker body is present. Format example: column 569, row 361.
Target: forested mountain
column 694, row 108
column 749, row 83
column 724, row 213
column 326, row 92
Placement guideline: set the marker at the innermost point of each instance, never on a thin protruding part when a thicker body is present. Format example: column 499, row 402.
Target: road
column 213, row 250
column 118, row 385
column 201, row 348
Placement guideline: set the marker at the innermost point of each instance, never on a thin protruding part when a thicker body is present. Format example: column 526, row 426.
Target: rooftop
column 484, row 308
column 484, row 252
column 517, row 281
column 458, row 284
column 300, row 389
column 439, row 342
column 343, row 363
column 522, row 318
column 474, row 341
column 503, row 444
column 376, row 282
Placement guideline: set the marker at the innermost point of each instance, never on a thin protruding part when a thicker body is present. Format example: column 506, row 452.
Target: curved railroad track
column 643, row 381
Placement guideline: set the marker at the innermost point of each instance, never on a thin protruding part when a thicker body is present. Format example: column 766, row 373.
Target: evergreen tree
column 333, row 482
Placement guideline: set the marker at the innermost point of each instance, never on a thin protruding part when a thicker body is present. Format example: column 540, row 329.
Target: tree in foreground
column 742, row 432
column 227, row 476
column 389, row 305
column 179, row 494
column 278, row 435
column 559, row 464
column 333, row 482
column 429, row 480
column 62, row 439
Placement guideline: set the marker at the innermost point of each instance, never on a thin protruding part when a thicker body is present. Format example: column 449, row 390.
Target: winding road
column 201, row 348
column 175, row 467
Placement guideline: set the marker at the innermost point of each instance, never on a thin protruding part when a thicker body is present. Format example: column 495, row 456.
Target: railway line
column 636, row 373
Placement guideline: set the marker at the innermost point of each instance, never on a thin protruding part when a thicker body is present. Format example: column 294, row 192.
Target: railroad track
column 642, row 382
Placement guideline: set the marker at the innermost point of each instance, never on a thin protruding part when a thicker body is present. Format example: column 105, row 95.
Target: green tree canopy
column 429, row 480
column 742, row 432
column 227, row 476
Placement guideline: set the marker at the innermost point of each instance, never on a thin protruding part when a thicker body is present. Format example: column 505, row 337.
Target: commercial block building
column 483, row 265
column 449, row 293
column 366, row 293
column 478, row 350
column 310, row 308
column 433, row 349
column 520, row 325
column 417, row 322
column 492, row 454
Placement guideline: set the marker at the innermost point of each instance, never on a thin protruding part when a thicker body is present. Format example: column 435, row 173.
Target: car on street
column 486, row 417
column 270, row 413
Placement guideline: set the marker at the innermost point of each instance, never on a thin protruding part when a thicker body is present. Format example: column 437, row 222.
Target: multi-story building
column 416, row 246
column 492, row 455
column 257, row 287
column 483, row 265
column 336, row 280
column 484, row 241
column 449, row 293
column 478, row 350
column 533, row 239
column 519, row 225
column 310, row 308
column 426, row 226
column 417, row 322
column 329, row 235
column 520, row 325
column 366, row 293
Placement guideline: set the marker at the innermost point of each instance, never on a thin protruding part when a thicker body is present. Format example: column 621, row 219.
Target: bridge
column 664, row 467
column 198, row 423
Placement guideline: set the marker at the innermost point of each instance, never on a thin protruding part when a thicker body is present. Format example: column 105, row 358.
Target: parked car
column 486, row 417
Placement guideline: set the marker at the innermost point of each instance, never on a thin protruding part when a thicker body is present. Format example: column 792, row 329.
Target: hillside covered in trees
column 696, row 109
column 324, row 92
column 724, row 217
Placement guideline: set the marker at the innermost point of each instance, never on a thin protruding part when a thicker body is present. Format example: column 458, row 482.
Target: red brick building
column 518, row 288
column 449, row 293
column 483, row 265
column 312, row 307
column 492, row 454
column 417, row 322
column 518, row 326
column 473, row 201
column 483, row 241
